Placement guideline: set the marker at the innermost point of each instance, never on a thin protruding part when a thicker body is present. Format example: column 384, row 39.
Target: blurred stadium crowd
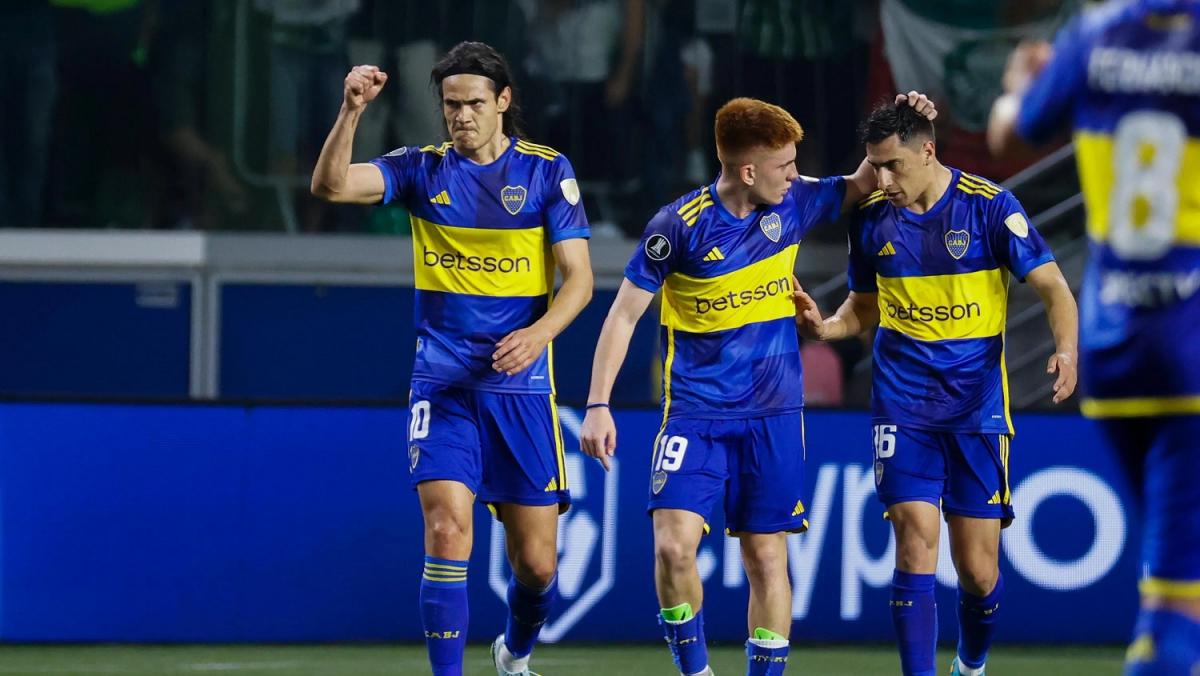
column 208, row 114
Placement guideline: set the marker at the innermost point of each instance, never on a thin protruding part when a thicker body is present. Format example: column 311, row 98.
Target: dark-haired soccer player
column 492, row 216
column 931, row 253
column 1127, row 78
column 733, row 425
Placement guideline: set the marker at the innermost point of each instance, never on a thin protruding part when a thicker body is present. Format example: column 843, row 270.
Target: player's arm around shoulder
column 334, row 178
column 1063, row 314
column 598, row 436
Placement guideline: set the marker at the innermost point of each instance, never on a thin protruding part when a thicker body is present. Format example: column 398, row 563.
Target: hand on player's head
column 919, row 102
column 363, row 84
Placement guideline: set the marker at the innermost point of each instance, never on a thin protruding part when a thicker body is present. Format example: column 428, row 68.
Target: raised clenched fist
column 363, row 84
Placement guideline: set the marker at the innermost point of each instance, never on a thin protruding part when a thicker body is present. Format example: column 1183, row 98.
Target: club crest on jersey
column 957, row 242
column 658, row 481
column 771, row 226
column 513, row 198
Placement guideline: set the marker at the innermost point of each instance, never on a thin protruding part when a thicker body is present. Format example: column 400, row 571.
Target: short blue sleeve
column 563, row 206
column 398, row 168
column 657, row 253
column 860, row 272
column 1015, row 242
column 818, row 200
column 1047, row 106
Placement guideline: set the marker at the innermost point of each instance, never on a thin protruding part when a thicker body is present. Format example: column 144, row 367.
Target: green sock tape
column 767, row 635
column 680, row 613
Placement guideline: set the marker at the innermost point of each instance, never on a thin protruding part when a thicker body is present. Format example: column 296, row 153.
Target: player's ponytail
column 478, row 58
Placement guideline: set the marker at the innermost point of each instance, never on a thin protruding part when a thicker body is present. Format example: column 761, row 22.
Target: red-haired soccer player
column 733, row 426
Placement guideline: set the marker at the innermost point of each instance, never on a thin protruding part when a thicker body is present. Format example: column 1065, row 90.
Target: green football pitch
column 554, row 660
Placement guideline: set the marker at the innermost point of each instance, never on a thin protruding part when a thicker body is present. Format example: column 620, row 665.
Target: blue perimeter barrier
column 229, row 523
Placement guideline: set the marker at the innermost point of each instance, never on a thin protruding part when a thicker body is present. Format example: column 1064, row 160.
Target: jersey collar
column 726, row 215
column 471, row 166
column 938, row 207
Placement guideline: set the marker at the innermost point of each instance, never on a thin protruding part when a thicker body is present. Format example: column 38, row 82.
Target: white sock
column 707, row 672
column 512, row 664
column 968, row 671
column 769, row 643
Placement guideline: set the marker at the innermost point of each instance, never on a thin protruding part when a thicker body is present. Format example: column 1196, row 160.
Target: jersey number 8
column 1147, row 154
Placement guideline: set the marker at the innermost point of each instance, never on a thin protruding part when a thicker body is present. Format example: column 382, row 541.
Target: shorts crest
column 658, row 481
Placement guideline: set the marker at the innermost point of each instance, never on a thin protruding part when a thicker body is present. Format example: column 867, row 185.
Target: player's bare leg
column 918, row 527
column 764, row 556
column 446, row 509
column 914, row 609
column 975, row 548
column 531, row 536
column 677, row 536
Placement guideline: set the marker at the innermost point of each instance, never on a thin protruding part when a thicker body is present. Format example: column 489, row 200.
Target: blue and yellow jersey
column 942, row 279
column 481, row 254
column 728, row 321
column 1127, row 79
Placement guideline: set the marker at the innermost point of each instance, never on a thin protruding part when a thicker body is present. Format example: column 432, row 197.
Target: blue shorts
column 961, row 473
column 1162, row 457
column 506, row 448
column 756, row 464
